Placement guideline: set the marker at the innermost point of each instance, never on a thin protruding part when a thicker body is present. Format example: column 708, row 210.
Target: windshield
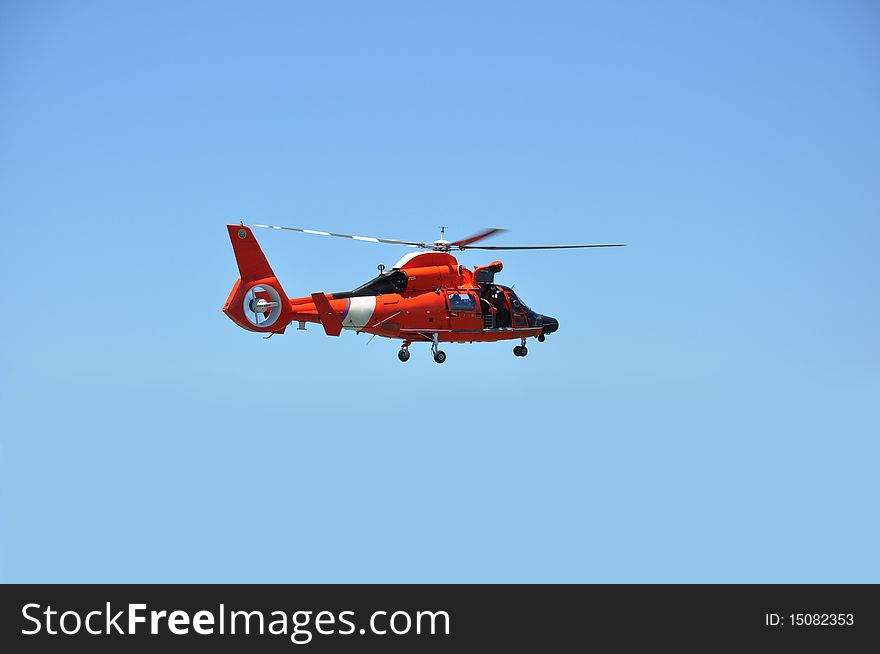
column 520, row 307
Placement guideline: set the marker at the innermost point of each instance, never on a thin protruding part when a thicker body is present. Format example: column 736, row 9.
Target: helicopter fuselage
column 426, row 296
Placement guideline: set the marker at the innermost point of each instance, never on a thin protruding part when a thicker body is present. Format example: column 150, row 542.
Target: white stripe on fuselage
column 406, row 259
column 360, row 310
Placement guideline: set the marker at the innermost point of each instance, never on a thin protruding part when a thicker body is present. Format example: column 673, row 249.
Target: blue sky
column 708, row 410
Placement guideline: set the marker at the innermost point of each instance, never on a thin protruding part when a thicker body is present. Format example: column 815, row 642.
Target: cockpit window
column 461, row 302
column 520, row 307
column 514, row 300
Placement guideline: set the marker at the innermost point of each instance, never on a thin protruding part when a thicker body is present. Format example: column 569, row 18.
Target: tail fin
column 251, row 261
column 257, row 302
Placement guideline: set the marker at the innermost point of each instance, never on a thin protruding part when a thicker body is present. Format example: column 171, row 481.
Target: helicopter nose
column 549, row 325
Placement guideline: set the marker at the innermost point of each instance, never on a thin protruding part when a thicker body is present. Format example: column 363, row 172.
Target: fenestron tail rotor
column 262, row 305
column 442, row 245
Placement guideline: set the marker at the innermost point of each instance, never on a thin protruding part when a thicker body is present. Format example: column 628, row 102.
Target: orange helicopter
column 425, row 297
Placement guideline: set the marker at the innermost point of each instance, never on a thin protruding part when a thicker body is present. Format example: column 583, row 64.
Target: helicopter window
column 461, row 302
column 518, row 305
column 485, row 276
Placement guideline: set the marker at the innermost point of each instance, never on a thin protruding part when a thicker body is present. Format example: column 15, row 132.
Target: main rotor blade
column 541, row 247
column 369, row 239
column 486, row 233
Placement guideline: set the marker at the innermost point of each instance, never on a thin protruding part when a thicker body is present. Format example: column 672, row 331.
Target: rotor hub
column 259, row 305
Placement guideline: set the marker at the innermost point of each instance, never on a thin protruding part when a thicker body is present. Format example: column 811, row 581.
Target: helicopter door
column 463, row 311
column 518, row 314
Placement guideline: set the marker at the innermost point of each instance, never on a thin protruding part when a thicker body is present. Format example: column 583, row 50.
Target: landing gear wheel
column 520, row 350
column 439, row 356
column 403, row 355
column 541, row 338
